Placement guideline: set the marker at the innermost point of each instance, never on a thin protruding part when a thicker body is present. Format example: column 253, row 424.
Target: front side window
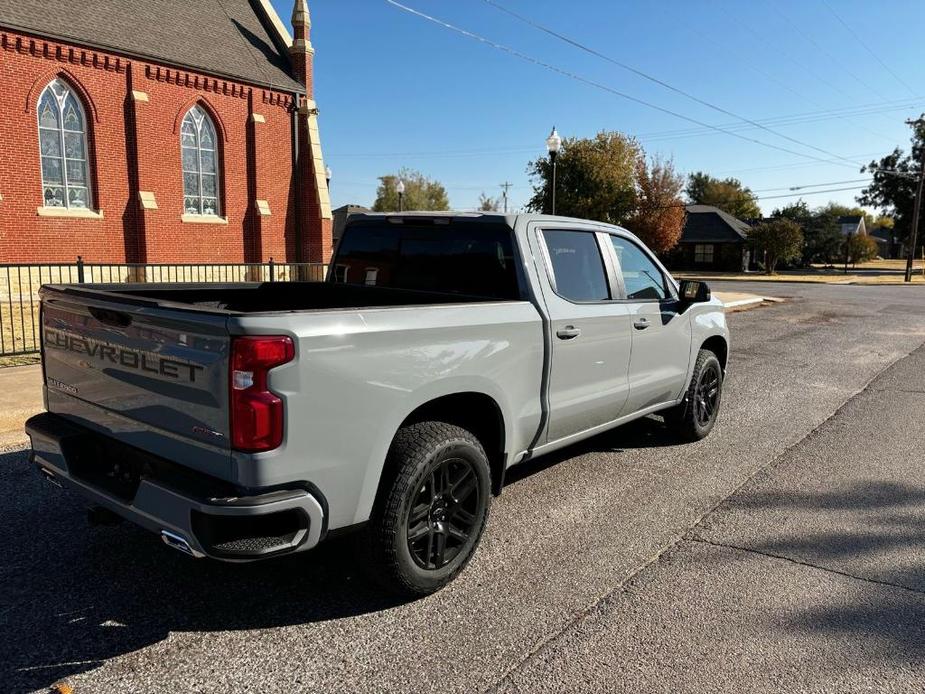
column 63, row 148
column 199, row 148
column 703, row 253
column 577, row 265
column 641, row 277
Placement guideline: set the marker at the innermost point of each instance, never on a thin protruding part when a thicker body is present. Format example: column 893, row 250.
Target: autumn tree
column 421, row 193
column 860, row 247
column 659, row 215
column 595, row 178
column 727, row 194
column 488, row 204
column 778, row 239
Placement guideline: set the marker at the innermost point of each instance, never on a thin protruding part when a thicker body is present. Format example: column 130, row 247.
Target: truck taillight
column 256, row 411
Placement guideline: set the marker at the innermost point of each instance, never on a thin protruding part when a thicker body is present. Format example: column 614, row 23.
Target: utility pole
column 505, row 187
column 918, row 122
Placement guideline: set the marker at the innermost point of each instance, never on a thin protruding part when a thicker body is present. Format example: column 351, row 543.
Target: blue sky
column 396, row 90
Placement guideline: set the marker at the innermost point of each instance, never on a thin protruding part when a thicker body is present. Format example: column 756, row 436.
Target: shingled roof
column 708, row 224
column 225, row 38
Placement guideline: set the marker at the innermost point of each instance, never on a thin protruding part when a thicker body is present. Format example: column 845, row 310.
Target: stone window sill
column 202, row 219
column 71, row 212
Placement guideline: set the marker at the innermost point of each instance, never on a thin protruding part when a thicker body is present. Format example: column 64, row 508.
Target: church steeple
column 301, row 50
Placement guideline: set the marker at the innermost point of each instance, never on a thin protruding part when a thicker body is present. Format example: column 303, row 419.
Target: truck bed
column 267, row 297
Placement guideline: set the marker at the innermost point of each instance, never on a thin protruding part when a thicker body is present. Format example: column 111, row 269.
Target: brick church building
column 164, row 131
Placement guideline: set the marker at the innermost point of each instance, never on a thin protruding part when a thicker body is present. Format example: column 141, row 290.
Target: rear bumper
column 191, row 514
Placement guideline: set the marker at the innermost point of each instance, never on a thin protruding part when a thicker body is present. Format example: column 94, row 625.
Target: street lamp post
column 327, row 176
column 400, row 187
column 553, row 145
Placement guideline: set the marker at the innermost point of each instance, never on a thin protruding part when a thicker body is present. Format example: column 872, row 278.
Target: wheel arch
column 474, row 411
column 720, row 347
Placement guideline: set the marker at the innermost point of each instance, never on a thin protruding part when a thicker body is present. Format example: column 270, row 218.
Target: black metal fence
column 19, row 287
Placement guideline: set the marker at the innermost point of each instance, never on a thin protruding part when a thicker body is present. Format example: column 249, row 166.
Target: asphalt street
column 783, row 553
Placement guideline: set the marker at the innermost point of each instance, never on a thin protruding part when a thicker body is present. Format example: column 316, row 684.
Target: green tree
column 489, row 204
column 727, row 194
column 421, row 193
column 659, row 215
column 894, row 195
column 595, row 178
column 797, row 211
column 778, row 240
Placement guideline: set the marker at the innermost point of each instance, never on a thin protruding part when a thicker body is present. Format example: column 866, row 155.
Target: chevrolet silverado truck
column 252, row 420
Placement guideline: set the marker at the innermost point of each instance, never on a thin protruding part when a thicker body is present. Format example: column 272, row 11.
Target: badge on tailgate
column 126, row 358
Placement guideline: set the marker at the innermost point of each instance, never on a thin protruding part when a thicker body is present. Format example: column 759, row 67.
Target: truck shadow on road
column 76, row 596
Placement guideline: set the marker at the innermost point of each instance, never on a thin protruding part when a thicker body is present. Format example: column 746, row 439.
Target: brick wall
column 134, row 109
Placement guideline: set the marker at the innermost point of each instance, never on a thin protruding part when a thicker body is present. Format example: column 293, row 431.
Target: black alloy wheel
column 443, row 514
column 694, row 418
column 707, row 394
column 431, row 508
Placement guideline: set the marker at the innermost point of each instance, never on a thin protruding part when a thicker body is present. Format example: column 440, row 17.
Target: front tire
column 695, row 417
column 429, row 520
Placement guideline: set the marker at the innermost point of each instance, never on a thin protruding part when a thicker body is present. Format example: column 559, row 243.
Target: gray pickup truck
column 246, row 421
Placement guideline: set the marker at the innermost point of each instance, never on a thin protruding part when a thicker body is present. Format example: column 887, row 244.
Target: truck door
column 590, row 329
column 661, row 335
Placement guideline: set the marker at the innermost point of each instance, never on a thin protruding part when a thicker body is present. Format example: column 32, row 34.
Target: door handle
column 641, row 323
column 569, row 332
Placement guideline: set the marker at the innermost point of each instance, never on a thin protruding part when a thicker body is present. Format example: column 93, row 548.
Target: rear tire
column 695, row 417
column 428, row 521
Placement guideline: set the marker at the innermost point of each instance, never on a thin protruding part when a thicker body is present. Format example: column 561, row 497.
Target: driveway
column 780, row 554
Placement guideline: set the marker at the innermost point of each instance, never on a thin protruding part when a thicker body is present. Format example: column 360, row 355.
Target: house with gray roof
column 712, row 240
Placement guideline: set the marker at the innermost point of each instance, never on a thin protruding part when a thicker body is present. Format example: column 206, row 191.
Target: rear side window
column 577, row 265
column 456, row 258
column 641, row 278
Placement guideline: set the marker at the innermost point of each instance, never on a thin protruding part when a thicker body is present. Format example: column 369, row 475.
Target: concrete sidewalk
column 742, row 300
column 20, row 398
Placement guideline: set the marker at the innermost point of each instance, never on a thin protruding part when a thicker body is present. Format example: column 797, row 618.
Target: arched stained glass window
column 63, row 148
column 199, row 148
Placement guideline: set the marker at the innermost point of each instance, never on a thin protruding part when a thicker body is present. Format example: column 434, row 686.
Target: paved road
column 780, row 554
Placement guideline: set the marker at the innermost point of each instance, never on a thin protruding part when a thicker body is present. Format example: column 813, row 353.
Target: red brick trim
column 65, row 54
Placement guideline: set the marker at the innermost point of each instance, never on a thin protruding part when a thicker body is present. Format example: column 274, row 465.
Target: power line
column 659, row 135
column 604, row 87
column 863, row 43
column 733, row 13
column 809, row 39
column 811, row 185
column 656, row 80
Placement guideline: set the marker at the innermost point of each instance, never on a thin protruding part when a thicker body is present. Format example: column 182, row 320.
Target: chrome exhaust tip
column 50, row 477
column 177, row 542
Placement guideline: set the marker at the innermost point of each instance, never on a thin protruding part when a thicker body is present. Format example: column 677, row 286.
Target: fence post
column 80, row 269
column 272, row 270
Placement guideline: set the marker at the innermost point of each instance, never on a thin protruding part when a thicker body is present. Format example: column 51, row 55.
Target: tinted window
column 641, row 277
column 474, row 259
column 577, row 265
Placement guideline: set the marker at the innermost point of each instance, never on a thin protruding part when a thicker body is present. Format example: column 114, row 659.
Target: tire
column 429, row 518
column 695, row 417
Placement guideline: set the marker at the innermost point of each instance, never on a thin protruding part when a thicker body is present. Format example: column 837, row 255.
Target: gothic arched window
column 63, row 148
column 199, row 147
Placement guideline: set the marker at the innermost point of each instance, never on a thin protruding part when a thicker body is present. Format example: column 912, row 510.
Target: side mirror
column 693, row 292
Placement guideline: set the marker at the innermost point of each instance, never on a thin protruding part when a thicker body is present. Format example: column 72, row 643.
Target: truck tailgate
column 161, row 373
